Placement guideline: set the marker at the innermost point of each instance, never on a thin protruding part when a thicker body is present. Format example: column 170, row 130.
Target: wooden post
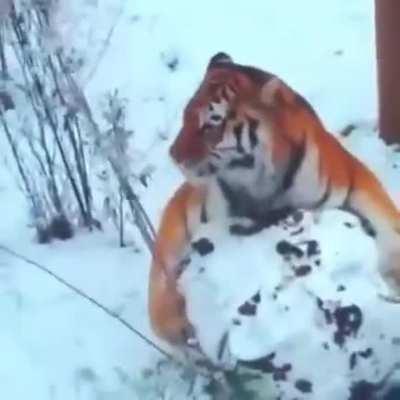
column 387, row 21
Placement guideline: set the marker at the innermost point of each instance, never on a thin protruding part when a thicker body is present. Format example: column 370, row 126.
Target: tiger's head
column 235, row 120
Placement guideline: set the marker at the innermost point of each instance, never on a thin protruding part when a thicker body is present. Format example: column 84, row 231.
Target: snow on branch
column 52, row 134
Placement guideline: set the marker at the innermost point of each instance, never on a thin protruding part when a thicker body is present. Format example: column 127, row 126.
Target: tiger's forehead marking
column 258, row 76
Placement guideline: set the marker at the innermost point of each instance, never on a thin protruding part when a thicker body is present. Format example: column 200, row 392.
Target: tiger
column 252, row 150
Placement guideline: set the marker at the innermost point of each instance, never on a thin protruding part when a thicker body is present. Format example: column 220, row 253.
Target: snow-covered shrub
column 122, row 174
column 44, row 130
column 58, row 148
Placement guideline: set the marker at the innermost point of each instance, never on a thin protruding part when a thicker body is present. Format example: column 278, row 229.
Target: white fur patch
column 307, row 187
column 216, row 110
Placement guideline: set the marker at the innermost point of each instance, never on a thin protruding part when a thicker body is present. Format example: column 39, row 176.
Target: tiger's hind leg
column 380, row 218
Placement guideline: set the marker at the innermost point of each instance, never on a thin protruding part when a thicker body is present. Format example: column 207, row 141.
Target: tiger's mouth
column 200, row 171
column 219, row 161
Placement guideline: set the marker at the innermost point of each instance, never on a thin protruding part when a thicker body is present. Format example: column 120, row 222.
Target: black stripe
column 346, row 202
column 240, row 204
column 243, row 230
column 203, row 214
column 230, row 196
column 272, row 217
column 247, row 161
column 238, row 131
column 325, row 197
column 366, row 224
column 296, row 159
column 212, row 169
column 253, row 125
column 368, row 227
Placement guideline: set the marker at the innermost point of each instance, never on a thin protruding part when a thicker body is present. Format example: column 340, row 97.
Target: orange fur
column 345, row 171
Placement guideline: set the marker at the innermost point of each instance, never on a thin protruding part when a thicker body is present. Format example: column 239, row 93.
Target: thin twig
column 39, row 92
column 204, row 368
column 79, row 292
column 121, row 218
column 3, row 59
column 103, row 51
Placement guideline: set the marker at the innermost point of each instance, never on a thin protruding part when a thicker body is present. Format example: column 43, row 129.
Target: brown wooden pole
column 387, row 21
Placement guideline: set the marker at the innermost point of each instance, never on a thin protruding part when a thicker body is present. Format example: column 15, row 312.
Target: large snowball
column 298, row 300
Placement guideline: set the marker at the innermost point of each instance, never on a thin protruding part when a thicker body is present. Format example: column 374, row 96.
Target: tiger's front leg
column 166, row 304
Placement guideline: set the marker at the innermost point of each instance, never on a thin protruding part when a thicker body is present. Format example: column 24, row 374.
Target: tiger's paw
column 189, row 335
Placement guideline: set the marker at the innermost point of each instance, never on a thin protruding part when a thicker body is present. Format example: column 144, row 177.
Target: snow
column 296, row 322
column 65, row 344
column 55, row 345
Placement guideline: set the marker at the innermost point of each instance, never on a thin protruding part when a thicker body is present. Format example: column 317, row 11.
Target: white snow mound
column 299, row 300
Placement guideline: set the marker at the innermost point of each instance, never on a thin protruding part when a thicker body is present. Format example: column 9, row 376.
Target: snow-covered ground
column 55, row 345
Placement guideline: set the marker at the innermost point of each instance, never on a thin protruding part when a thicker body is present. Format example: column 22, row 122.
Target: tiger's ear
column 276, row 92
column 219, row 58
